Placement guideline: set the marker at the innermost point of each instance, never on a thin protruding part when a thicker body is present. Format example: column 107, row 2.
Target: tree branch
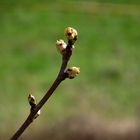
column 62, row 75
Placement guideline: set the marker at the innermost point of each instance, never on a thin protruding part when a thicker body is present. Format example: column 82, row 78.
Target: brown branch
column 61, row 76
column 66, row 51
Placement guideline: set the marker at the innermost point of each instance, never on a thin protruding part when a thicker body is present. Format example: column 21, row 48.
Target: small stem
column 61, row 76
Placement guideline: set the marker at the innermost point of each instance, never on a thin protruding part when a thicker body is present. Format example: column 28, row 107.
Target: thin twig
column 61, row 76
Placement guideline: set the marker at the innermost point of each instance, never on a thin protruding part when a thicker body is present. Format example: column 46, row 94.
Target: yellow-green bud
column 61, row 45
column 71, row 34
column 72, row 72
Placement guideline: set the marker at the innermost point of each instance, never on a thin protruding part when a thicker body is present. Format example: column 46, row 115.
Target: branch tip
column 71, row 34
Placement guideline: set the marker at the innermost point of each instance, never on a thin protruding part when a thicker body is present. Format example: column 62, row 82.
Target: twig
column 62, row 75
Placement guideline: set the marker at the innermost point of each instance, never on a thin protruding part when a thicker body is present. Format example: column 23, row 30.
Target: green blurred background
column 107, row 52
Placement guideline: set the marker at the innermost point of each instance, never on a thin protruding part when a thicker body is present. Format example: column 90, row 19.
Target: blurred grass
column 107, row 52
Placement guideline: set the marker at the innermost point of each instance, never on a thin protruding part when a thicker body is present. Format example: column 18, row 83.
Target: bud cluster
column 71, row 35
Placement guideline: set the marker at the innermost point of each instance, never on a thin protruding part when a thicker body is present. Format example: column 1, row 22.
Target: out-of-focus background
column 106, row 94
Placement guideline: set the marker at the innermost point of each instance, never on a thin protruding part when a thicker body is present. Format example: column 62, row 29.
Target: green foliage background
column 107, row 51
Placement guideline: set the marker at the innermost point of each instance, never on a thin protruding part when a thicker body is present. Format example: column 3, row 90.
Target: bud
column 61, row 45
column 37, row 114
column 71, row 34
column 72, row 72
column 31, row 100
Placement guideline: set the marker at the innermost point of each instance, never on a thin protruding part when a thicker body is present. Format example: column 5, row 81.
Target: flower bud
column 61, row 45
column 72, row 72
column 31, row 100
column 71, row 34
